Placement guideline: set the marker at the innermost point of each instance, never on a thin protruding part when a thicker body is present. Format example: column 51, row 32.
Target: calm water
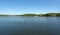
column 29, row 25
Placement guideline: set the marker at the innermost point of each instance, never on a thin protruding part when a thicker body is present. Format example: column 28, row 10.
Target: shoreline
column 39, row 15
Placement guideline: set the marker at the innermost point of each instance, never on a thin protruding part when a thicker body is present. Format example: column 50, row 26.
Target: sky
column 29, row 6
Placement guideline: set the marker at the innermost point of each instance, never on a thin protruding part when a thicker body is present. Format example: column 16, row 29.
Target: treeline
column 48, row 14
column 3, row 15
column 45, row 15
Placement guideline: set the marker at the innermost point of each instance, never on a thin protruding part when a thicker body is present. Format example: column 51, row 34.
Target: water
column 12, row 25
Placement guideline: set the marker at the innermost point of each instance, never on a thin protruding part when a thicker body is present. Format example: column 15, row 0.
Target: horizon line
column 23, row 13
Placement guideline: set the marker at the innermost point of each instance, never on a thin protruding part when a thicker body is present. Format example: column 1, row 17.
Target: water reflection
column 29, row 25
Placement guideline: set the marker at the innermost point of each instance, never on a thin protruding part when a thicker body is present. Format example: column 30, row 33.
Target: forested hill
column 47, row 14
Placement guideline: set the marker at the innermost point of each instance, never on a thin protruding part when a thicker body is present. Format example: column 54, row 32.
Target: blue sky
column 29, row 6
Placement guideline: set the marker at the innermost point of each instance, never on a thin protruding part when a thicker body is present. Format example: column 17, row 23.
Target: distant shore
column 39, row 15
column 46, row 15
